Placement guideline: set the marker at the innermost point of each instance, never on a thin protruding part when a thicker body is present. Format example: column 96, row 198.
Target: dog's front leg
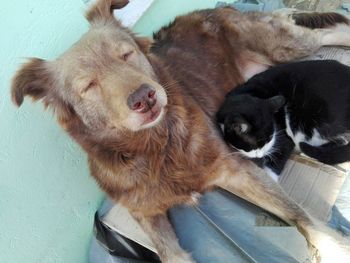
column 162, row 235
column 251, row 183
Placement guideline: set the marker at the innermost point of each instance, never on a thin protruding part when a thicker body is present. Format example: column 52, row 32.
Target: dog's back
column 200, row 56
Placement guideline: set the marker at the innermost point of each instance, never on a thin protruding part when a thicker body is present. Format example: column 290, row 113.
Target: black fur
column 317, row 96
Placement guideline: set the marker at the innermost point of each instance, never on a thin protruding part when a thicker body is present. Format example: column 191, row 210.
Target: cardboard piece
column 313, row 185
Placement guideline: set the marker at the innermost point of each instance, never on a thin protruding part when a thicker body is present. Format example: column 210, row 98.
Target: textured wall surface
column 47, row 198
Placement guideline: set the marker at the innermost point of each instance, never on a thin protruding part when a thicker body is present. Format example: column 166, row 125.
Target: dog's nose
column 143, row 99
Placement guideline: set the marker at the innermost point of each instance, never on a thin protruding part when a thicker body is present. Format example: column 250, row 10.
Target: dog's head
column 105, row 79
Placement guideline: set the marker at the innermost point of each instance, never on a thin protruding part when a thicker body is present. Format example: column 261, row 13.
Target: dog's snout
column 143, row 99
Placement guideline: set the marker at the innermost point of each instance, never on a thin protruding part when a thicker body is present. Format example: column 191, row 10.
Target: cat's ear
column 276, row 103
column 240, row 126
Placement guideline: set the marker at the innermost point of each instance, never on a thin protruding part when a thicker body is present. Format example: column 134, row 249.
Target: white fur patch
column 259, row 153
column 222, row 127
column 341, row 28
column 271, row 173
column 336, row 39
column 195, row 197
column 344, row 138
column 251, row 69
column 298, row 137
column 316, row 139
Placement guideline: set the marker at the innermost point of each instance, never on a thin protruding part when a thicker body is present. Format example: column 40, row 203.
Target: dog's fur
column 149, row 166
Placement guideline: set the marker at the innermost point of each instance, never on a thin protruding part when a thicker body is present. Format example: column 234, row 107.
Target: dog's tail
column 320, row 20
column 331, row 246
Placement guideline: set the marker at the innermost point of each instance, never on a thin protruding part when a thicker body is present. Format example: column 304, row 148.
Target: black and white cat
column 306, row 104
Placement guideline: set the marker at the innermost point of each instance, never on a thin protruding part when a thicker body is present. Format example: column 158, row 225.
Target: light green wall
column 47, row 199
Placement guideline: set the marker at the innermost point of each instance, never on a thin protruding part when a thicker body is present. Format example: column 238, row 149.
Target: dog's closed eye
column 126, row 56
column 92, row 84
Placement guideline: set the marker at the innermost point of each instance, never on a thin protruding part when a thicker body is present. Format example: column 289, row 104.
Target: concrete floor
column 315, row 5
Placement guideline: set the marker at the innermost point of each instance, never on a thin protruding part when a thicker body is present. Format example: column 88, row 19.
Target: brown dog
column 145, row 117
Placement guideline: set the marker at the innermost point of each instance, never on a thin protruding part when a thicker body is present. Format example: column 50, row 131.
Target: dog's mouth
column 153, row 116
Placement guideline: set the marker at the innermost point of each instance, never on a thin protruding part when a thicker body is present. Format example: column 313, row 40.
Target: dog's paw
column 195, row 196
column 182, row 257
column 331, row 246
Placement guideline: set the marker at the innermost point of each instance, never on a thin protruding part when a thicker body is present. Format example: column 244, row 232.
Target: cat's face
column 247, row 123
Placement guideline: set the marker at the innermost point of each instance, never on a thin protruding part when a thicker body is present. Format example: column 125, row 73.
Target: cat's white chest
column 299, row 136
column 261, row 152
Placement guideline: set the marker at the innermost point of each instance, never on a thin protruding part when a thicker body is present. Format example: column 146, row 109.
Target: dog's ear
column 33, row 79
column 144, row 43
column 102, row 10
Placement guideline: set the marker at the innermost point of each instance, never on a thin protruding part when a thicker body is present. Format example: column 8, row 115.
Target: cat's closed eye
column 240, row 127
